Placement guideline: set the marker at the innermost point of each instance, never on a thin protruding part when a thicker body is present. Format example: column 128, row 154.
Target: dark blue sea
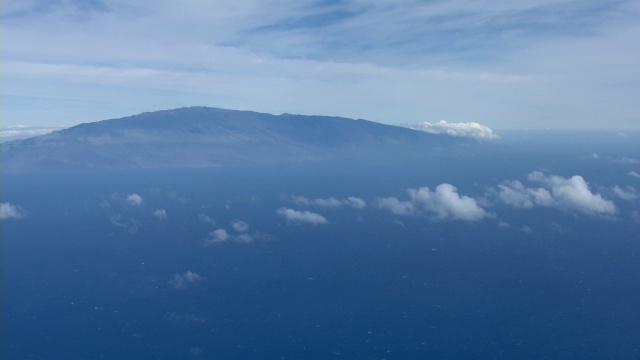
column 232, row 263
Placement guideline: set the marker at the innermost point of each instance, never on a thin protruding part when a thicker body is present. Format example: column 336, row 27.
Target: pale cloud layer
column 571, row 194
column 444, row 203
column 469, row 129
column 501, row 63
column 302, row 217
column 22, row 131
column 10, row 211
column 634, row 174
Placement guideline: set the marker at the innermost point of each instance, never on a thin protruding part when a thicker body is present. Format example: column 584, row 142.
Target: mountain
column 207, row 137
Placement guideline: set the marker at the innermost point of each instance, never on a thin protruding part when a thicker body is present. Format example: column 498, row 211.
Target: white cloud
column 9, row 211
column 446, row 203
column 307, row 217
column 160, row 214
column 355, row 202
column 221, row 235
column 217, row 236
column 571, row 194
column 396, row 206
column 206, row 219
column 180, row 282
column 330, row 202
column 469, row 129
column 628, row 193
column 22, row 131
column 134, row 200
column 526, row 229
column 634, row 174
column 514, row 193
column 239, row 226
column 131, row 225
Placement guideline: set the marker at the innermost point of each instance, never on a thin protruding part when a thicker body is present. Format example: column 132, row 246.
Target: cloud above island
column 463, row 129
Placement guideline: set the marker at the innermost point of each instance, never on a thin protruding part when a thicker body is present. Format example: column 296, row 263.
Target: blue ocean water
column 89, row 274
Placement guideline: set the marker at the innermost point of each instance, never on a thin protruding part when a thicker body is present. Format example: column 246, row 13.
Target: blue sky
column 505, row 64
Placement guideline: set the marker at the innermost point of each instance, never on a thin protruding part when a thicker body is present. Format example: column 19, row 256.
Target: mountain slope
column 204, row 137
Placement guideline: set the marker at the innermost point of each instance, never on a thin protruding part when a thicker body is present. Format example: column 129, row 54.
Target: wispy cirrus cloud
column 456, row 60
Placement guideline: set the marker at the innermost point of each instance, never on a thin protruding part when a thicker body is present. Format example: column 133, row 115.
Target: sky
column 544, row 64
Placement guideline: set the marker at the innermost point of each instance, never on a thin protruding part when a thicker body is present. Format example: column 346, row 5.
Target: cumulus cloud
column 182, row 281
column 9, row 211
column 217, row 236
column 131, row 225
column 634, row 174
column 514, row 193
column 628, row 193
column 221, row 235
column 396, row 206
column 355, row 202
column 444, row 202
column 571, row 194
column 206, row 219
column 239, row 226
column 160, row 214
column 306, row 217
column 134, row 200
column 330, row 202
column 470, row 129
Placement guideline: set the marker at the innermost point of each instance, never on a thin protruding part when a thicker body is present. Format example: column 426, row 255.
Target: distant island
column 209, row 137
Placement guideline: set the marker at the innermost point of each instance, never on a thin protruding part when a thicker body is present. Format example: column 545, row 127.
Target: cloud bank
column 9, row 211
column 22, row 131
column 470, row 129
column 572, row 194
column 444, row 203
column 302, row 217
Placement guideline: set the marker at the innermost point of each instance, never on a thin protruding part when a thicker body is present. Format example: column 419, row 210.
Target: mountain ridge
column 207, row 137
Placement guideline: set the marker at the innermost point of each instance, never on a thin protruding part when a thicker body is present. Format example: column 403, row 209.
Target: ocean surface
column 204, row 263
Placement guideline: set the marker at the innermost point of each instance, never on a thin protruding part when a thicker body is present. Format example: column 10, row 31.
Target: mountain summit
column 207, row 137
